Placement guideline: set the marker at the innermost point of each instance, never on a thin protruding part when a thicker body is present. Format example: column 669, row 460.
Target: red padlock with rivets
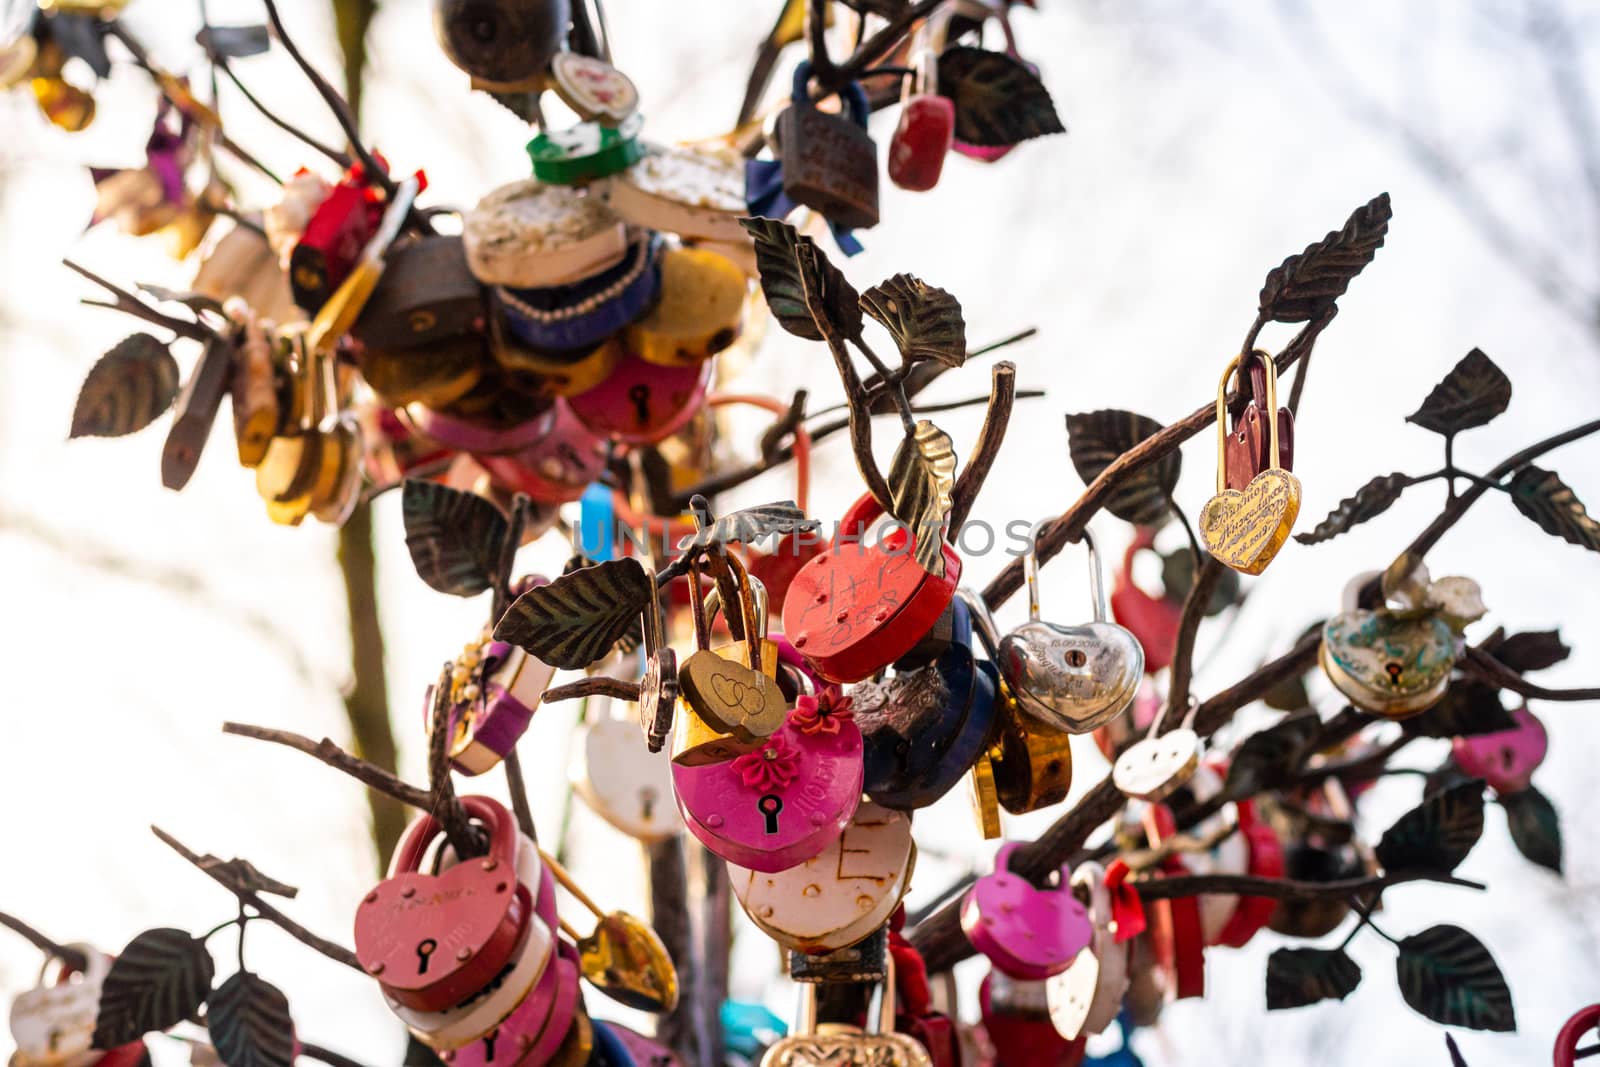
column 927, row 120
column 432, row 941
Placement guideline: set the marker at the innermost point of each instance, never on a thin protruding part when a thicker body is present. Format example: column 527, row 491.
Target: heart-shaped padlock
column 1244, row 529
column 857, row 608
column 1159, row 764
column 641, row 403
column 1152, row 619
column 840, row 896
column 1505, row 759
column 782, row 803
column 1072, row 678
column 1215, row 850
column 476, row 1019
column 1582, row 1024
column 1085, row 998
column 53, row 1023
column 495, row 689
column 434, row 940
column 1026, row 932
column 540, row 1025
column 927, row 120
column 1245, row 454
column 1388, row 664
column 623, row 782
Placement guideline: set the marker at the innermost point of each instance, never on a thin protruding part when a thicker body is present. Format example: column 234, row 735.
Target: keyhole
column 647, row 801
column 488, row 1045
column 1393, row 670
column 640, row 395
column 1076, row 657
column 425, row 949
column 1507, row 758
column 769, row 805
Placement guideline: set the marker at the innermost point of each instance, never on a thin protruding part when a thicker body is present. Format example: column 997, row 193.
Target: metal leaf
column 160, row 979
column 1535, row 827
column 1177, row 578
column 998, row 100
column 1472, row 394
column 921, row 478
column 801, row 283
column 196, row 302
column 1533, row 650
column 1437, row 834
column 1095, row 439
column 1269, row 758
column 127, row 389
column 1446, row 974
column 81, row 37
column 249, row 1021
column 1456, row 1059
column 749, row 525
column 924, row 320
column 1542, row 496
column 1306, row 285
column 1300, row 976
column 454, row 537
column 1469, row 708
column 1370, row 501
column 576, row 619
column 234, row 42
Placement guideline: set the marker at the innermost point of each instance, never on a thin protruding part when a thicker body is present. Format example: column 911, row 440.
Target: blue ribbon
column 764, row 196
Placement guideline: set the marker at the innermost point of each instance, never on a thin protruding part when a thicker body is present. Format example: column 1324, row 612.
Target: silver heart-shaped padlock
column 1073, row 678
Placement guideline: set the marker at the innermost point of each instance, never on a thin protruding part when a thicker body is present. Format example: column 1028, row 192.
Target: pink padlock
column 496, row 705
column 1507, row 759
column 641, row 403
column 782, row 804
column 1028, row 933
column 927, row 120
column 558, row 467
column 452, row 431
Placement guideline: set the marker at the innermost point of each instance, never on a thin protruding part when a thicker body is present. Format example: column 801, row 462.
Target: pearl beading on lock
column 641, row 261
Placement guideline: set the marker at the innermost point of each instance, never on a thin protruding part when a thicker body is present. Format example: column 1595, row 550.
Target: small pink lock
column 1028, row 933
column 466, row 436
column 558, row 467
column 641, row 403
column 1507, row 759
column 782, row 804
column 484, row 731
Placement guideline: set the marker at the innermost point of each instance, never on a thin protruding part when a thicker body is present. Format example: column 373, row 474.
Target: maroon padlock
column 433, row 941
column 1248, row 449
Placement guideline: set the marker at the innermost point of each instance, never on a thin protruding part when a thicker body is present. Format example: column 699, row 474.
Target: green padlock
column 586, row 151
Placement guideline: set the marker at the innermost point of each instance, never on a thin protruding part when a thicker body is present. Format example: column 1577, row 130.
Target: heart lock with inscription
column 857, row 608
column 830, row 163
column 433, row 941
column 523, row 990
column 494, row 690
column 1072, row 678
column 1017, row 1019
column 784, row 802
column 840, row 896
column 642, row 403
column 620, row 780
column 558, row 467
column 1086, row 997
column 924, row 728
column 927, row 120
column 1154, row 620
column 1506, row 759
column 1393, row 664
column 811, row 1044
column 53, row 1023
column 730, row 704
column 1026, row 932
column 1245, row 528
column 1246, row 452
column 1160, row 764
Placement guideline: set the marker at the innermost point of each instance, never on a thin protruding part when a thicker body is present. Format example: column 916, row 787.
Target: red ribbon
column 1127, row 909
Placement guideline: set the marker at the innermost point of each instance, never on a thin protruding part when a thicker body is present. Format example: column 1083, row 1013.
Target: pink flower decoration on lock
column 770, row 767
column 823, row 713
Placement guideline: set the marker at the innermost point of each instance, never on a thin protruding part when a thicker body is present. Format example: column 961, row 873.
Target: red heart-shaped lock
column 1153, row 619
column 921, row 141
column 857, row 608
column 434, row 940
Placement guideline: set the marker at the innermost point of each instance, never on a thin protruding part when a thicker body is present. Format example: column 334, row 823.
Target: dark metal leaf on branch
column 1300, row 976
column 1542, row 496
column 1370, row 501
column 1270, row 758
column 1447, row 975
column 454, row 536
column 1306, row 285
column 1469, row 708
column 576, row 619
column 799, row 280
column 1437, row 834
column 1456, row 1059
column 1472, row 394
column 924, row 320
column 234, row 42
column 998, row 100
column 1535, row 827
column 749, row 525
column 1177, row 578
column 127, row 389
column 1531, row 650
column 196, row 302
column 160, row 979
column 921, row 478
column 249, row 1021
column 1096, row 438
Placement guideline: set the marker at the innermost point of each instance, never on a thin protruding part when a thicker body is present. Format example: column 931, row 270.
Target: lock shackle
column 927, row 44
column 1097, row 586
column 852, row 96
column 1253, row 370
column 1236, row 364
column 879, row 1022
column 98, row 963
column 752, row 616
column 502, row 829
column 983, row 623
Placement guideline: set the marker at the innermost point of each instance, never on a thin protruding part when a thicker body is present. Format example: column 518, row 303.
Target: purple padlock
column 1507, row 759
column 641, row 403
column 1026, row 932
column 496, row 705
column 782, row 804
column 464, row 436
column 558, row 467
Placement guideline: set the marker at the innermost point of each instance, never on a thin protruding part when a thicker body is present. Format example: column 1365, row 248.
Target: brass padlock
column 864, row 961
column 426, row 294
column 842, row 1045
column 830, row 163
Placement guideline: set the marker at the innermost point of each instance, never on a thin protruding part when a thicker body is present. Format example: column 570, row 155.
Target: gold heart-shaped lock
column 626, row 960
column 1245, row 529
